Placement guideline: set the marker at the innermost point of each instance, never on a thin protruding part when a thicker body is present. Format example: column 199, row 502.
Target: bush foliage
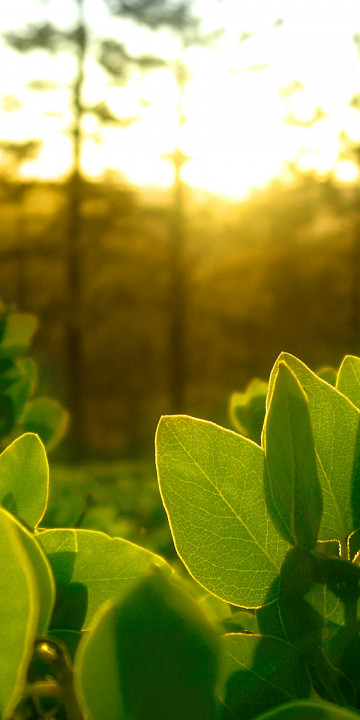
column 97, row 627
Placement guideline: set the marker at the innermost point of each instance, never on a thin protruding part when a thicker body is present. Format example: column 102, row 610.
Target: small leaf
column 211, row 481
column 89, row 568
column 29, row 369
column 152, row 655
column 247, row 410
column 24, row 479
column 259, row 672
column 309, row 710
column 19, row 612
column 17, row 333
column 47, row 418
column 335, row 425
column 291, row 461
column 348, row 379
column 328, row 374
column 18, row 394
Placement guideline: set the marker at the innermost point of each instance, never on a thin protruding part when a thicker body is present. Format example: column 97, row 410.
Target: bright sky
column 237, row 130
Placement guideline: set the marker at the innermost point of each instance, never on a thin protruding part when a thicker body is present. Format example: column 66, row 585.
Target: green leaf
column 259, row 672
column 24, row 479
column 154, row 654
column 335, row 426
column 291, row 461
column 313, row 592
column 18, row 393
column 348, row 379
column 19, row 612
column 303, row 623
column 247, row 410
column 47, row 418
column 211, row 481
column 269, row 620
column 89, row 568
column 43, row 574
column 17, row 333
column 29, row 369
column 309, row 710
column 328, row 374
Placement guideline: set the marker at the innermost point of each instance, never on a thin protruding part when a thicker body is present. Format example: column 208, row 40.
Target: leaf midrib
column 263, row 550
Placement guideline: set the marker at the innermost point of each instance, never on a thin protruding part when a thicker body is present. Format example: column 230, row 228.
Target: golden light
column 235, row 132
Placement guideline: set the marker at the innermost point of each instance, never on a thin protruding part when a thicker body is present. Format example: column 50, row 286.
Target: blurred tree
column 115, row 58
column 14, row 154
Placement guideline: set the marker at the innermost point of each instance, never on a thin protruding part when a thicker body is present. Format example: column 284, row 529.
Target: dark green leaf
column 18, row 331
column 259, row 672
column 291, row 461
column 328, row 374
column 47, row 418
column 309, row 710
column 153, row 655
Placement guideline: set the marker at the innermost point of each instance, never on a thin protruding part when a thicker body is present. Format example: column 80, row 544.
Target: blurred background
column 179, row 201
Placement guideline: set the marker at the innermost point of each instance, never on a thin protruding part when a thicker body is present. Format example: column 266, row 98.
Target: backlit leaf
column 291, row 461
column 348, row 379
column 24, row 479
column 211, row 481
column 336, row 431
column 19, row 612
column 90, row 567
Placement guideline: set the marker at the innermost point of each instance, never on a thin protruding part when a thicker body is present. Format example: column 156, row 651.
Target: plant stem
column 344, row 549
column 43, row 688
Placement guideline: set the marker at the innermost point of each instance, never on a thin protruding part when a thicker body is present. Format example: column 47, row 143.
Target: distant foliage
column 20, row 411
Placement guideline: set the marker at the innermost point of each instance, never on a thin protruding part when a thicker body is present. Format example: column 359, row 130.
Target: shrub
column 97, row 627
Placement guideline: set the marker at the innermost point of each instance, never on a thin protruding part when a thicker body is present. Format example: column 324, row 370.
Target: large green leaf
column 290, row 460
column 348, row 379
column 24, row 479
column 19, row 612
column 89, row 567
column 152, row 655
column 336, row 431
column 212, row 485
column 259, row 672
column 309, row 710
column 47, row 418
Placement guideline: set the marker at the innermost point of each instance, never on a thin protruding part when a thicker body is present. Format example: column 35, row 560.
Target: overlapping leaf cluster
column 91, row 626
column 273, row 527
column 19, row 410
column 94, row 627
